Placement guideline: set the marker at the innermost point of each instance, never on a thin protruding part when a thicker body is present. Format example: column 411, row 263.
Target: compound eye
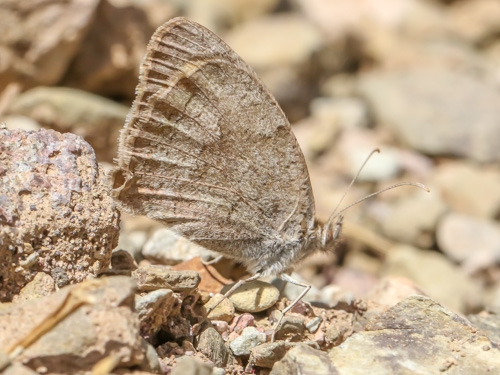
column 328, row 235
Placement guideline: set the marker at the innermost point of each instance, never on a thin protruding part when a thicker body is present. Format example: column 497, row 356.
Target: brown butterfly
column 207, row 150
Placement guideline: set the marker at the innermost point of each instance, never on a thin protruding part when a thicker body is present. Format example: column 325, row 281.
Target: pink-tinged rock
column 55, row 208
column 241, row 322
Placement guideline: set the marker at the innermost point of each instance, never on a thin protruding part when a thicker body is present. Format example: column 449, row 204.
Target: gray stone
column 284, row 40
column 122, row 260
column 21, row 122
column 436, row 275
column 305, row 360
column 155, row 277
column 417, row 228
column 279, row 48
column 474, row 21
column 292, row 325
column 18, row 369
column 108, row 59
column 292, row 291
column 329, row 116
column 313, row 324
column 249, row 338
column 211, row 344
column 166, row 247
column 430, row 115
column 417, row 336
column 464, row 187
column 472, row 241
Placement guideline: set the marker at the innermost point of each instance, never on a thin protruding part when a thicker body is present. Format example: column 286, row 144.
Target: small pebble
column 155, row 277
column 313, row 325
column 224, row 311
column 242, row 321
column 254, row 296
column 250, row 338
column 292, row 324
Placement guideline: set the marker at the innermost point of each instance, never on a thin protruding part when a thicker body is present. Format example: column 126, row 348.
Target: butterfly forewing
column 207, row 150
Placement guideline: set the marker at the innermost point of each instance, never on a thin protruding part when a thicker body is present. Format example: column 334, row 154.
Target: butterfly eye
column 331, row 231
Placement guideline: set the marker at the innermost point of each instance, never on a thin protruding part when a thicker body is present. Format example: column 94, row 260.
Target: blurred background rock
column 418, row 79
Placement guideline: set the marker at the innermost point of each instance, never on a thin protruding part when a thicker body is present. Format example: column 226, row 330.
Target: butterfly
column 207, row 151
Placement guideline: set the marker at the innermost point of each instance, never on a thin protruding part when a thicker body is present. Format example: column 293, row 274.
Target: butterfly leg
column 233, row 288
column 306, row 287
column 213, row 261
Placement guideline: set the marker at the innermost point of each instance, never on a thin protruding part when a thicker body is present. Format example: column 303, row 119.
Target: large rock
column 56, row 211
column 70, row 331
column 417, row 336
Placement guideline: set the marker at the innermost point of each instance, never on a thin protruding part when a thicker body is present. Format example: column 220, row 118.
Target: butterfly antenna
column 416, row 184
column 334, row 214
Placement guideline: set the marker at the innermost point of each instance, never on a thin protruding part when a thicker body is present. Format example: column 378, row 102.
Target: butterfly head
column 328, row 233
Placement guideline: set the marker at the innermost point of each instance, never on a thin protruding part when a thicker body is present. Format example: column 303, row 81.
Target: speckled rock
column 155, row 277
column 224, row 311
column 55, row 209
column 250, row 338
column 417, row 336
column 254, row 296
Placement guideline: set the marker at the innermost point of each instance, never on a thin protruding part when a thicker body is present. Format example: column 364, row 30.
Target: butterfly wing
column 207, row 150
